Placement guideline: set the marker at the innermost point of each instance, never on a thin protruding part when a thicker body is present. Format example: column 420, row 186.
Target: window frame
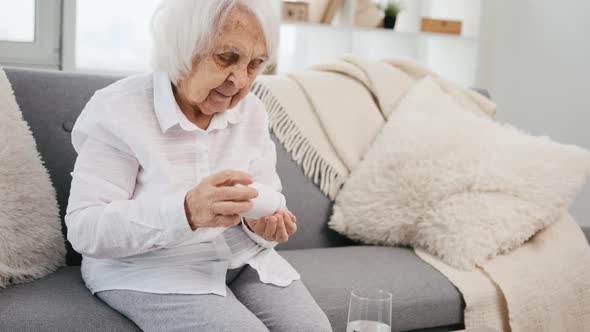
column 45, row 50
column 68, row 50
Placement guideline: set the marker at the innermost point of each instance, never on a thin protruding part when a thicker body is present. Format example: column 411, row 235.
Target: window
column 17, row 20
column 108, row 35
column 30, row 32
column 113, row 35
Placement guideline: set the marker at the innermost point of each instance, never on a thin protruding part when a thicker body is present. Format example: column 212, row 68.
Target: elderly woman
column 162, row 179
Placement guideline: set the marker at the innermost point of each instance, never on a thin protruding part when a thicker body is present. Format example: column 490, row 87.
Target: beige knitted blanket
column 541, row 286
column 327, row 118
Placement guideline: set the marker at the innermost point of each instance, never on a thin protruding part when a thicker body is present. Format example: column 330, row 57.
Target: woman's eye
column 255, row 65
column 228, row 58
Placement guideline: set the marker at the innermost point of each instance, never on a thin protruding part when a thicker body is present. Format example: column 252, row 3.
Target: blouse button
column 68, row 126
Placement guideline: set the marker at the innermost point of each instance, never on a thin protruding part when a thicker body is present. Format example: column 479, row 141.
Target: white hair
column 184, row 29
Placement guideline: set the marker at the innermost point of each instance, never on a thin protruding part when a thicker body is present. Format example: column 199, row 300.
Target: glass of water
column 369, row 311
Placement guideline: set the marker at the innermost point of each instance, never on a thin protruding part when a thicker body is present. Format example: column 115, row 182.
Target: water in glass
column 367, row 326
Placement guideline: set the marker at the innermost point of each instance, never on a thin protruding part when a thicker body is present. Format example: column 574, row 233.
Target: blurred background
column 532, row 55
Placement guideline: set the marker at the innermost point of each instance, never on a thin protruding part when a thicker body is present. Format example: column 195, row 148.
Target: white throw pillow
column 456, row 183
column 31, row 242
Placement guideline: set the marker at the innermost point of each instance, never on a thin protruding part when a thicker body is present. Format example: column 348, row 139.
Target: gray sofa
column 330, row 265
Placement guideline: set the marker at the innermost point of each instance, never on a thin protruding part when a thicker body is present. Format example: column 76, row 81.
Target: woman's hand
column 278, row 227
column 215, row 202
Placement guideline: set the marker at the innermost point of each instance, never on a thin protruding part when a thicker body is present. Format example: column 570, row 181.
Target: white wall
column 535, row 60
column 455, row 59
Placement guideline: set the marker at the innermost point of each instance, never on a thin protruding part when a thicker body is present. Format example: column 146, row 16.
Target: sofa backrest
column 51, row 101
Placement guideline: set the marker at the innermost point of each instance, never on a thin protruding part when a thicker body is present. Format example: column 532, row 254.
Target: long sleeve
column 103, row 219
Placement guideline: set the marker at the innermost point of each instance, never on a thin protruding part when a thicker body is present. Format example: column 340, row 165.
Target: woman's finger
column 236, row 194
column 281, row 235
column 286, row 216
column 260, row 228
column 271, row 228
column 293, row 218
column 230, row 178
column 231, row 208
column 291, row 227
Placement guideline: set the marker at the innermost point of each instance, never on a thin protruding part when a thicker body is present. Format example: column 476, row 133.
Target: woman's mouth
column 219, row 97
column 223, row 95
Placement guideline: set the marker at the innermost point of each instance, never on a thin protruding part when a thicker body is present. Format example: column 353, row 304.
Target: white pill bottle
column 268, row 202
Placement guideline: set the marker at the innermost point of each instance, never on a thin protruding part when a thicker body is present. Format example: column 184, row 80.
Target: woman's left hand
column 278, row 227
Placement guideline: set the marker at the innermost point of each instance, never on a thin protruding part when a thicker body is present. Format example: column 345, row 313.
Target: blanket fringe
column 302, row 152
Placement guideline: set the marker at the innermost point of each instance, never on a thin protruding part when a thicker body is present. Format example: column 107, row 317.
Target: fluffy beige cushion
column 31, row 242
column 456, row 183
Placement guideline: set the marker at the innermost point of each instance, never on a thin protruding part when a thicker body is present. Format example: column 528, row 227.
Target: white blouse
column 138, row 156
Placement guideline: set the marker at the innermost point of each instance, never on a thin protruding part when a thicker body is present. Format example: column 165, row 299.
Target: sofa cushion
column 51, row 102
column 59, row 302
column 422, row 297
column 31, row 242
column 457, row 184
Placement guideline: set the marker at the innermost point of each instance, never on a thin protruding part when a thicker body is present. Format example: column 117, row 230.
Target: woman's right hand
column 217, row 202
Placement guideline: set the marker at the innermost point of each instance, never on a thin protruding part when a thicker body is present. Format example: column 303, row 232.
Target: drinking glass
column 369, row 311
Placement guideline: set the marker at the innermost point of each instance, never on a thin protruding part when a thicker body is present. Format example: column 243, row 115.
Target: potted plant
column 391, row 11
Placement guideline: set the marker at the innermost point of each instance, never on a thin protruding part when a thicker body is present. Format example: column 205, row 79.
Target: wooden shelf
column 453, row 56
column 417, row 34
column 382, row 31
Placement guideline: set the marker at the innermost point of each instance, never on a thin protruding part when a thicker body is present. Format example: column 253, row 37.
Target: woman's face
column 219, row 80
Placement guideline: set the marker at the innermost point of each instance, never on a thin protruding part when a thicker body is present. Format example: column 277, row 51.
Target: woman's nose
column 239, row 77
